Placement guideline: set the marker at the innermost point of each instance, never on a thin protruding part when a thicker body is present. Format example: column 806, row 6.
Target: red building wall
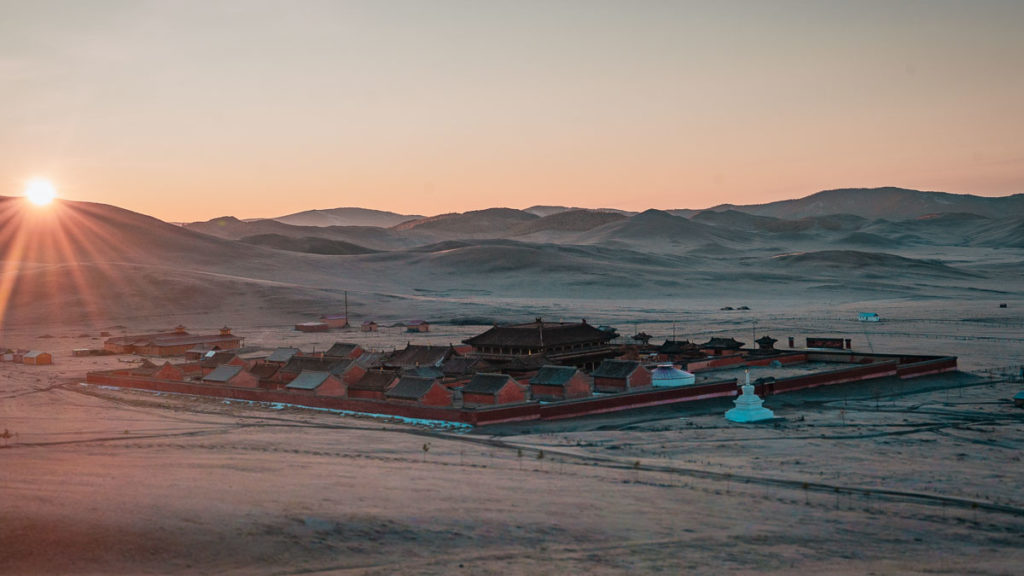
column 640, row 378
column 332, row 387
column 610, row 384
column 366, row 394
column 245, row 379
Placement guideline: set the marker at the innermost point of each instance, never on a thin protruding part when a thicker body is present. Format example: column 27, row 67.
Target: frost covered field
column 100, row 481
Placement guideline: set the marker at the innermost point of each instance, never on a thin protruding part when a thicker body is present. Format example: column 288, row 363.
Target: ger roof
column 410, row 388
column 553, row 375
column 539, row 333
column 222, row 373
column 615, row 368
column 308, row 380
column 486, row 383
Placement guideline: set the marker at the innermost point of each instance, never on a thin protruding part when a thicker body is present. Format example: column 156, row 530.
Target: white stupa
column 667, row 375
column 749, row 406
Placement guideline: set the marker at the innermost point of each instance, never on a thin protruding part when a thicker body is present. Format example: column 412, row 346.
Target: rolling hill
column 889, row 203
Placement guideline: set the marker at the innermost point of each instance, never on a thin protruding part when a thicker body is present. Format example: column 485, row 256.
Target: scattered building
column 312, row 327
column 492, row 390
column 1018, row 399
column 553, row 383
column 37, row 358
column 369, row 326
column 621, row 376
column 335, row 320
column 417, row 326
column 175, row 343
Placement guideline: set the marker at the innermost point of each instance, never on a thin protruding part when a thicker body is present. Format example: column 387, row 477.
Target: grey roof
column 215, row 358
column 308, row 380
column 425, row 372
column 34, row 353
column 282, row 355
column 341, row 350
column 553, row 375
column 460, row 365
column 616, row 369
column 487, row 383
column 222, row 373
column 377, row 380
column 299, row 364
column 416, row 355
column 410, row 388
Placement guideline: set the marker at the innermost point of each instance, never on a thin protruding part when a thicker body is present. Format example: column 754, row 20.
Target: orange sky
column 191, row 110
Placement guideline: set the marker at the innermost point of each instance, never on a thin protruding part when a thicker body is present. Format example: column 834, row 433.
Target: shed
column 560, row 383
column 1018, row 400
column 312, row 327
column 37, row 357
column 493, row 389
column 335, row 320
column 417, row 326
column 620, row 376
column 369, row 326
column 868, row 317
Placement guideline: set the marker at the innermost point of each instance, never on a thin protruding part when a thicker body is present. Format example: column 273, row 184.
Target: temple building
column 564, row 343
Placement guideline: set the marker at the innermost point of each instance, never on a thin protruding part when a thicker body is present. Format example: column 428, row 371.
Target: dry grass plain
column 851, row 481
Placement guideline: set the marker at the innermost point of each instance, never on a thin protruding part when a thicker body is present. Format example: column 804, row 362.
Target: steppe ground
column 884, row 479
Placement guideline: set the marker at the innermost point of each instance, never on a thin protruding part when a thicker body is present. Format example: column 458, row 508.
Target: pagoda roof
column 539, row 334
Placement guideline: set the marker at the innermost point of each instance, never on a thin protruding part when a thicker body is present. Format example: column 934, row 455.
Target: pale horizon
column 188, row 111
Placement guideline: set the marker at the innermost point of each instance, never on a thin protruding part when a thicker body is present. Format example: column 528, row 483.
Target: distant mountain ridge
column 347, row 216
column 890, row 203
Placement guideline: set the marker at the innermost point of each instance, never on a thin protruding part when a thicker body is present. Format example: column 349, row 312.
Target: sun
column 40, row 192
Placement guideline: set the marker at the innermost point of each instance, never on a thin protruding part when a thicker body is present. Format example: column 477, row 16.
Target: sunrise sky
column 191, row 110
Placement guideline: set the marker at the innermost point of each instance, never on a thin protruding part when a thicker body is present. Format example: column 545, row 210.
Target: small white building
column 868, row 317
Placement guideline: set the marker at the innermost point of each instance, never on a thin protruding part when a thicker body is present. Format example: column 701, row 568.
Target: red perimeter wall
column 884, row 365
